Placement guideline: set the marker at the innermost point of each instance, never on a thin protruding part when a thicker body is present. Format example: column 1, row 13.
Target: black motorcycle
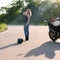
column 54, row 32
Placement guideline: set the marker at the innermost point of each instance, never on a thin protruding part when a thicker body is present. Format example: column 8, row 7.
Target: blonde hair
column 29, row 12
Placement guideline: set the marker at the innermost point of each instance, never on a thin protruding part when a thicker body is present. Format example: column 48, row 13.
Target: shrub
column 3, row 27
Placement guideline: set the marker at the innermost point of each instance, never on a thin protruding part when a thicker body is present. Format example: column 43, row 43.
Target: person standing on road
column 27, row 15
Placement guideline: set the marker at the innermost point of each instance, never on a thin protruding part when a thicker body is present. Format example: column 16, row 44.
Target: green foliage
column 11, row 12
column 18, row 20
column 41, row 11
column 56, row 12
column 2, row 18
column 3, row 27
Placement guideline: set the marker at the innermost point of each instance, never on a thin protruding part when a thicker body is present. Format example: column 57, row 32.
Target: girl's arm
column 25, row 13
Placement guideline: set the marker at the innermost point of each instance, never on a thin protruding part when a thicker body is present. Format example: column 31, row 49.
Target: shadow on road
column 48, row 48
column 8, row 46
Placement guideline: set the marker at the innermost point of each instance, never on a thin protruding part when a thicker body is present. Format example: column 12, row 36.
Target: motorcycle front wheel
column 52, row 35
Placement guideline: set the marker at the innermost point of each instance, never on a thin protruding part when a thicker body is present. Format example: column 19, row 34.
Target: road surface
column 39, row 46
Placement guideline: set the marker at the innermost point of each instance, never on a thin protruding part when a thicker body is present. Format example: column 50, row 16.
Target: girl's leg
column 26, row 31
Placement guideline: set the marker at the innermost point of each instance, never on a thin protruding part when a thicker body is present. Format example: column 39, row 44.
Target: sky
column 5, row 2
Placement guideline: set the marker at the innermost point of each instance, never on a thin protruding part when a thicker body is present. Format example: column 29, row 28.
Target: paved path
column 39, row 46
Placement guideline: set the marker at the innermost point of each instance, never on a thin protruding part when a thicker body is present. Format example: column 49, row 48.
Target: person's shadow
column 4, row 47
column 48, row 48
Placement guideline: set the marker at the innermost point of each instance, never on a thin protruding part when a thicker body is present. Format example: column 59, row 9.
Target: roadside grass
column 3, row 27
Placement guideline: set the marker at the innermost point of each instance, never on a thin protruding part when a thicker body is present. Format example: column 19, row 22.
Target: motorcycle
column 54, row 32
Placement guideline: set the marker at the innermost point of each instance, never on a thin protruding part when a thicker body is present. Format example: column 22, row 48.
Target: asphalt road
column 39, row 46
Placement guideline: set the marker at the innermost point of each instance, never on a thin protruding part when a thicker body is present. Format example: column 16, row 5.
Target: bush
column 3, row 27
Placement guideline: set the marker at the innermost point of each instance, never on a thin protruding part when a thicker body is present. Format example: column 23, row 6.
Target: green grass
column 3, row 27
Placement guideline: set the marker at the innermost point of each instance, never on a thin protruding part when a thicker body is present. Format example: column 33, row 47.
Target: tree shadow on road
column 14, row 44
column 48, row 48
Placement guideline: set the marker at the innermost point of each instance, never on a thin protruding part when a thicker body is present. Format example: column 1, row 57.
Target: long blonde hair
column 27, row 12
